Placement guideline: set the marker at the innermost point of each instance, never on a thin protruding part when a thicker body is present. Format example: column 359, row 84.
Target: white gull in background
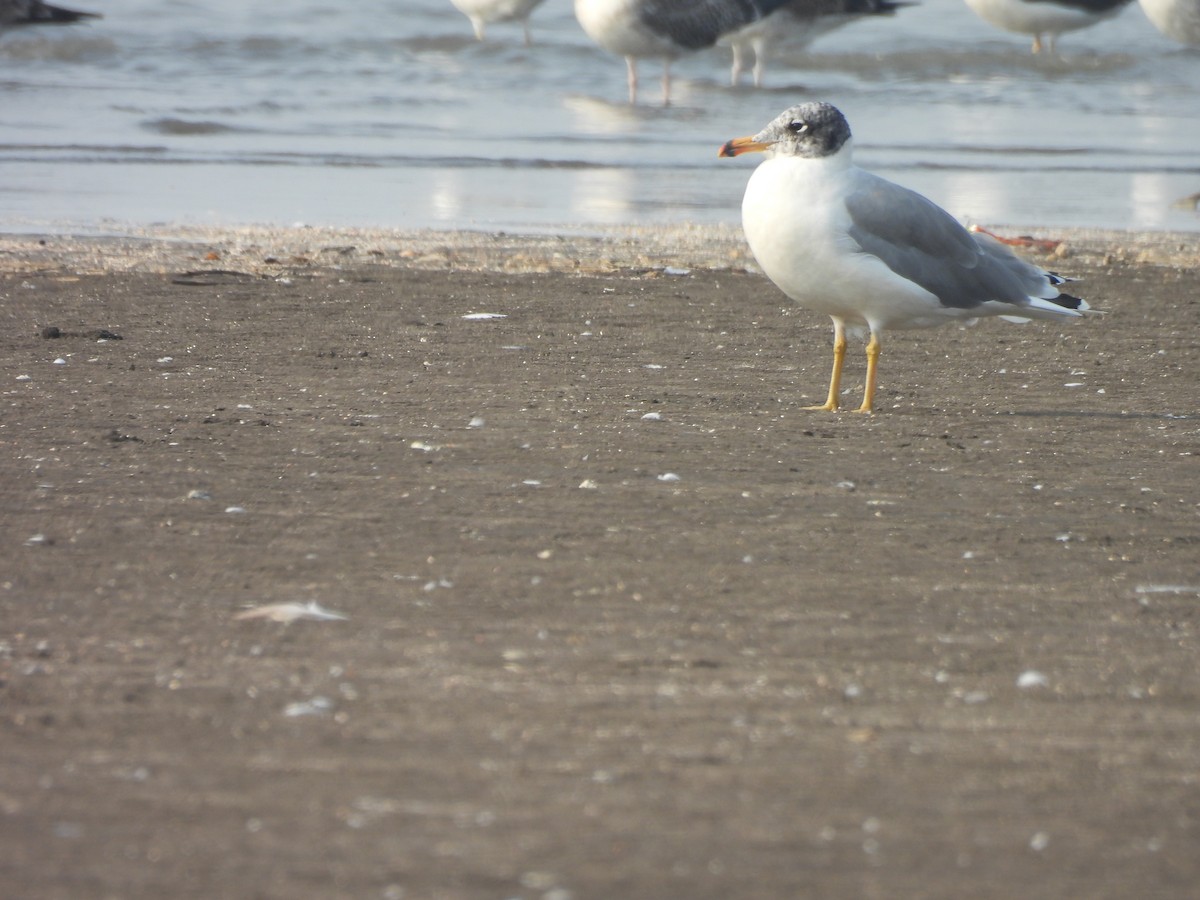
column 664, row 29
column 35, row 12
column 793, row 27
column 484, row 12
column 1045, row 20
column 866, row 252
column 1177, row 19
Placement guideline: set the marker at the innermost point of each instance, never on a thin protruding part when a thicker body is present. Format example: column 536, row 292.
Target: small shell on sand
column 290, row 612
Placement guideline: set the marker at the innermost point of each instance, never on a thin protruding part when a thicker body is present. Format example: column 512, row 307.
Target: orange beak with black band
column 741, row 145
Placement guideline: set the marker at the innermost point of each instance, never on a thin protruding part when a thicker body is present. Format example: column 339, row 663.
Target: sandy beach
column 622, row 620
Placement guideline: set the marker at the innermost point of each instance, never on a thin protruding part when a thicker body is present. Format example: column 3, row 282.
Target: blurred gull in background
column 664, row 29
column 794, row 26
column 484, row 12
column 1177, row 19
column 1045, row 19
column 35, row 12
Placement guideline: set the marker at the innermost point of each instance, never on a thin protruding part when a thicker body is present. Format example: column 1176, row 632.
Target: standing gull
column 1045, row 18
column 484, row 12
column 1177, row 19
column 35, row 12
column 664, row 29
column 794, row 26
column 867, row 252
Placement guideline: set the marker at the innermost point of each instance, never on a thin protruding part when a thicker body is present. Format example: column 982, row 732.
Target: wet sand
column 623, row 620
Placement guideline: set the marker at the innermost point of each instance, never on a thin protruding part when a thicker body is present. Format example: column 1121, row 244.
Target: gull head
column 809, row 130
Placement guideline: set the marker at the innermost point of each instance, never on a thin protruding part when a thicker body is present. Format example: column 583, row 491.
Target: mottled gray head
column 810, row 130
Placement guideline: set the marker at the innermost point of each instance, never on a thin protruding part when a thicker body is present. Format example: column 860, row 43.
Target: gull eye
column 797, row 127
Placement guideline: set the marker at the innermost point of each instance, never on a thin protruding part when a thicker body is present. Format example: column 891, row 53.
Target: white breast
column 615, row 26
column 1179, row 19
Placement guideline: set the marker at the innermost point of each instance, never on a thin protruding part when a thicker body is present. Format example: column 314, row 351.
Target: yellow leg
column 835, row 380
column 873, row 349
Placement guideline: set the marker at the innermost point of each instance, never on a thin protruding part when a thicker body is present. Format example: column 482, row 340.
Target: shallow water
column 392, row 115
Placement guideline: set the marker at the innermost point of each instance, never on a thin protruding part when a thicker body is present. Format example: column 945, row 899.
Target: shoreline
column 583, row 249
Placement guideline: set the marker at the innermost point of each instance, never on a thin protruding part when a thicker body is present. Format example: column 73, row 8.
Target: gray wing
column 696, row 24
column 920, row 241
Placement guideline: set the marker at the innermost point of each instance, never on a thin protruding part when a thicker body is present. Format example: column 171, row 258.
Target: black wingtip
column 1067, row 301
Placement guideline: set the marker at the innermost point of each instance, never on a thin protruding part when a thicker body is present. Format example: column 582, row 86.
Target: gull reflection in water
column 604, row 195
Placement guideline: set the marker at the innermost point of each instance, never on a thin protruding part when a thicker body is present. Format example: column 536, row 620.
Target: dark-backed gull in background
column 869, row 253
column 1045, row 19
column 664, row 29
column 794, row 26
